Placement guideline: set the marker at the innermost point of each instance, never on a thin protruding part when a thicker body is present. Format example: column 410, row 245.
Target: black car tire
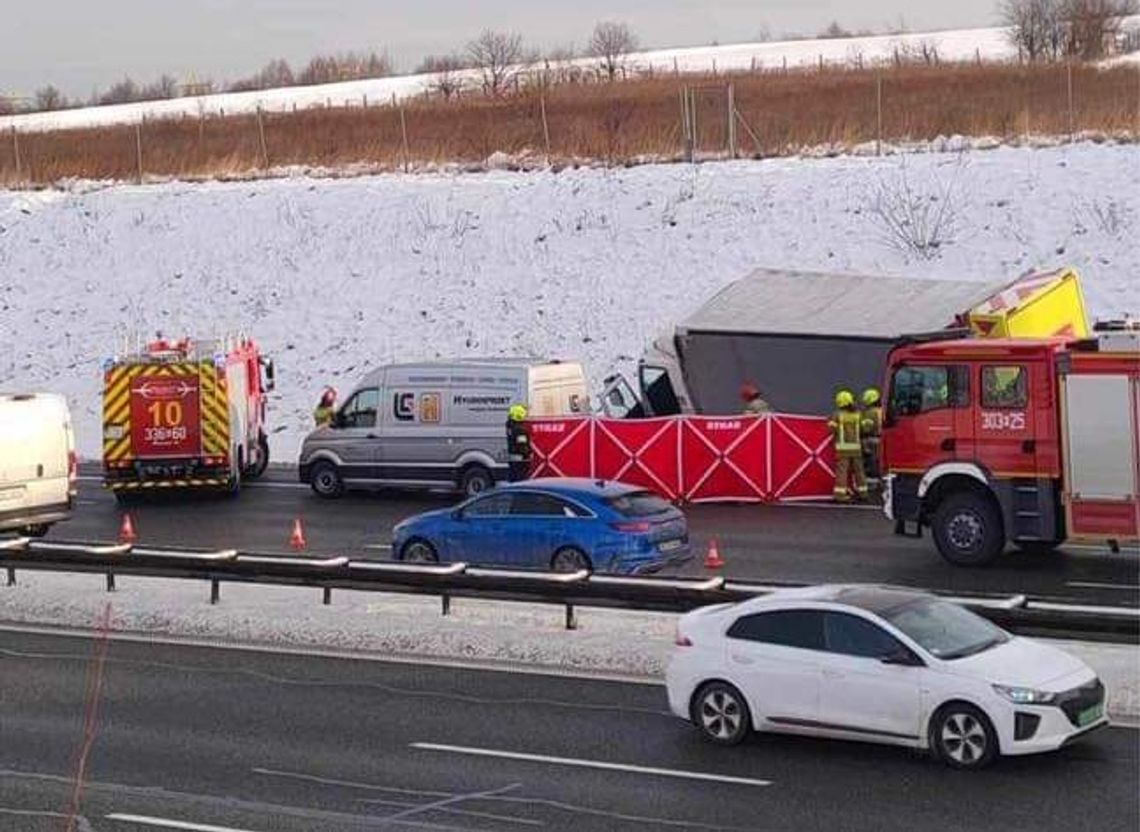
column 325, row 480
column 962, row 737
column 418, row 550
column 968, row 530
column 570, row 559
column 720, row 713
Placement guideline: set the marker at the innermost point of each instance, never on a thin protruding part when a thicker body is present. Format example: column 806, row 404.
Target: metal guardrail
column 1018, row 613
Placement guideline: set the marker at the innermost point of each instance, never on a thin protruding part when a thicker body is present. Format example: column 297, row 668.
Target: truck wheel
column 259, row 467
column 325, row 480
column 967, row 529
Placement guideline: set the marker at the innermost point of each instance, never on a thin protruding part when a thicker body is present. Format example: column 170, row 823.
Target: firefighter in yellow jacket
column 847, row 425
column 872, row 430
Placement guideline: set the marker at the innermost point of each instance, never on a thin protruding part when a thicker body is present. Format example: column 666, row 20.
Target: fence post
column 110, row 581
column 138, row 148
column 1069, row 76
column 879, row 110
column 545, row 127
column 732, row 121
column 11, row 576
column 261, row 136
column 326, row 596
column 16, row 153
column 404, row 136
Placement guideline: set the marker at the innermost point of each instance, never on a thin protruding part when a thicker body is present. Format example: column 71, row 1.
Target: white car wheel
column 721, row 714
column 963, row 737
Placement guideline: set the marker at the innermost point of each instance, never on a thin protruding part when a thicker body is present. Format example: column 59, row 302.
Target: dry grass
column 614, row 122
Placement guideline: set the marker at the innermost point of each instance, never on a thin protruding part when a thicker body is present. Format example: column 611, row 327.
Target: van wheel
column 37, row 530
column 475, row 480
column 325, row 480
column 967, row 529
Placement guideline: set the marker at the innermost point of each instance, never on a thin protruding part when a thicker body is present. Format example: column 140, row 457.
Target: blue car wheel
column 569, row 559
column 419, row 551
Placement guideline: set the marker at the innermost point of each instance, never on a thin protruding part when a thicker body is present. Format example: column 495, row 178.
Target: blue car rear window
column 638, row 504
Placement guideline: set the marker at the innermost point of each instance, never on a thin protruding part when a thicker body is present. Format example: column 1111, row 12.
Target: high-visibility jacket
column 847, row 425
column 873, row 420
column 518, row 441
column 323, row 415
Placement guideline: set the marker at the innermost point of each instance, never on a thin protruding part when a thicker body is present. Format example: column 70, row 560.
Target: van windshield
column 638, row 504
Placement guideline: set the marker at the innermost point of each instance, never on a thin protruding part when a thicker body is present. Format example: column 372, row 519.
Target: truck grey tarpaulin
column 800, row 336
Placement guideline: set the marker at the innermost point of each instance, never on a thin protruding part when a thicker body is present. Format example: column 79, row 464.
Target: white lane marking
column 166, row 823
column 1129, row 612
column 598, row 764
column 1095, row 585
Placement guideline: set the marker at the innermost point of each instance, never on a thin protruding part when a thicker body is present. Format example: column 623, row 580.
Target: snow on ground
column 990, row 44
column 516, row 635
column 338, row 276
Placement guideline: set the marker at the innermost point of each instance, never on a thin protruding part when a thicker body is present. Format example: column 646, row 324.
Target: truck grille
column 1074, row 701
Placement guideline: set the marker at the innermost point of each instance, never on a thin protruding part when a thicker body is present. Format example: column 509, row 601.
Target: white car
column 878, row 664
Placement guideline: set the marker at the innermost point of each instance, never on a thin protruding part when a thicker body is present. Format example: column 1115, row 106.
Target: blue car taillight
column 631, row 527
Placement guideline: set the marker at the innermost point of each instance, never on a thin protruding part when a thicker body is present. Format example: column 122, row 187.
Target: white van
column 37, row 462
column 436, row 424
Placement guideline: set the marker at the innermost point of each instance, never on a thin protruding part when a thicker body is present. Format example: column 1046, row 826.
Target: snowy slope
column 335, row 276
column 990, row 44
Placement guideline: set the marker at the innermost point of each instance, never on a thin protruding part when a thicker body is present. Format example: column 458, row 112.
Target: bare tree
column 611, row 43
column 50, row 98
column 1092, row 25
column 120, row 93
column 274, row 74
column 496, row 55
column 164, row 87
column 349, row 66
column 1029, row 23
column 834, row 32
column 448, row 81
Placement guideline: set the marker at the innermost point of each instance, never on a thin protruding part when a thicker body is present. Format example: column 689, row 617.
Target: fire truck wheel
column 325, row 480
column 967, row 529
column 262, row 463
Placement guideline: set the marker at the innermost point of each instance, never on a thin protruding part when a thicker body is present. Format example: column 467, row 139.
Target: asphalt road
column 215, row 740
column 763, row 543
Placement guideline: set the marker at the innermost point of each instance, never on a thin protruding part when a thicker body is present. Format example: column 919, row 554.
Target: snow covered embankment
column 336, row 276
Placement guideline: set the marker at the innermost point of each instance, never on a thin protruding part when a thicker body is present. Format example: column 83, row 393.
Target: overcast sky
column 82, row 44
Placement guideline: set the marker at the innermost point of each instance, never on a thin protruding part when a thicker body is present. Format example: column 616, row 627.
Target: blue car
column 558, row 524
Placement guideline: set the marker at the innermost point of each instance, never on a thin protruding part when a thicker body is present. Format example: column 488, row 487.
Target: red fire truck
column 185, row 414
column 1029, row 442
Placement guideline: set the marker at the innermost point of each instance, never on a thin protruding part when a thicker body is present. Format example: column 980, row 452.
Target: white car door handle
column 742, row 659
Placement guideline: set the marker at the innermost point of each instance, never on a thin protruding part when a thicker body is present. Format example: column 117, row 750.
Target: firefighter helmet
column 870, row 397
column 516, row 413
column 844, row 398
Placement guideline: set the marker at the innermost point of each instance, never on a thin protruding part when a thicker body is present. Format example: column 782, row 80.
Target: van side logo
column 404, row 406
column 429, row 408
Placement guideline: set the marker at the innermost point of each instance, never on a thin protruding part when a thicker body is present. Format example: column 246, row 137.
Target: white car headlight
column 1025, row 696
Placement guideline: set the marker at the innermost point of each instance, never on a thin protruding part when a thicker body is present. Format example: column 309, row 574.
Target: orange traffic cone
column 297, row 538
column 713, row 560
column 127, row 530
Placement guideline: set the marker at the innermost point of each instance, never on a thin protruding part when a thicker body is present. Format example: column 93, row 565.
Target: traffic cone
column 127, row 530
column 297, row 538
column 713, row 560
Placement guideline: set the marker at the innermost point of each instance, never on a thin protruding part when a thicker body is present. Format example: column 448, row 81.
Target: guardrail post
column 110, row 581
column 446, row 603
column 571, row 618
column 327, row 596
column 215, row 590
column 11, row 576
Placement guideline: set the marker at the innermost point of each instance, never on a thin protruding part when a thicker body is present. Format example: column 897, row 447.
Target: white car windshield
column 946, row 630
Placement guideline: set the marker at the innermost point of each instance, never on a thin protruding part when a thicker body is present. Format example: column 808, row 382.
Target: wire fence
column 753, row 114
